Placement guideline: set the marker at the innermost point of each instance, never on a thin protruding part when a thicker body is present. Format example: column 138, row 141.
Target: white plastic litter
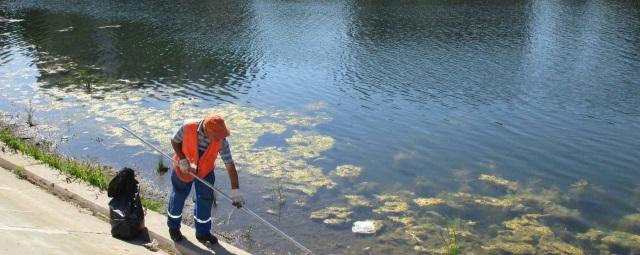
column 152, row 246
column 367, row 226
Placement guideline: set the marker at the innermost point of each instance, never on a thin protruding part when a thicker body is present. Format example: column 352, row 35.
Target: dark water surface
column 423, row 96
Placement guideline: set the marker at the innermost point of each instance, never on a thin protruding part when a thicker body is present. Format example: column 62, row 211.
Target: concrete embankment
column 83, row 195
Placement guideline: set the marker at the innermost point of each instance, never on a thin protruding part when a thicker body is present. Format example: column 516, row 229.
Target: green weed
column 152, row 204
column 161, row 168
column 278, row 192
column 20, row 172
column 85, row 78
column 30, row 111
column 247, row 233
column 450, row 239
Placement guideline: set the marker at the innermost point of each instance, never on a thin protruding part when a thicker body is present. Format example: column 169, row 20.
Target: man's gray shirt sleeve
column 178, row 136
column 225, row 152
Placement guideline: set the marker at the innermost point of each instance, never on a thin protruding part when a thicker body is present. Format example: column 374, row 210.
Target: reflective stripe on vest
column 207, row 162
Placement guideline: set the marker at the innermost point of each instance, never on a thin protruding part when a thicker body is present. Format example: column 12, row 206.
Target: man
column 197, row 144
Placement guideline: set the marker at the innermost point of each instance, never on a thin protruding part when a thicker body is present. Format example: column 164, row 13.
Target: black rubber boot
column 175, row 234
column 207, row 239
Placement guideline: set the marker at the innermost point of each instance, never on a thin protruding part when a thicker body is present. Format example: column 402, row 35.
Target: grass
column 84, row 171
column 152, row 204
column 20, row 172
column 90, row 173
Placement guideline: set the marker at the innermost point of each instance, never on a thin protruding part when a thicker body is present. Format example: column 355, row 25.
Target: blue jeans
column 202, row 210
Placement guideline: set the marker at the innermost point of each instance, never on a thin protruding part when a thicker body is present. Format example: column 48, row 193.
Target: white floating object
column 367, row 226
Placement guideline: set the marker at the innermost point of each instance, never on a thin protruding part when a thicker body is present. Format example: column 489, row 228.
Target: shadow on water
column 111, row 52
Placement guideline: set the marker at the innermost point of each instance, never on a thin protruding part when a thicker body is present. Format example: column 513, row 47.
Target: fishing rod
column 243, row 208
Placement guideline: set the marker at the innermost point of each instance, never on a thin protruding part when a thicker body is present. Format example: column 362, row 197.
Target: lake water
column 516, row 122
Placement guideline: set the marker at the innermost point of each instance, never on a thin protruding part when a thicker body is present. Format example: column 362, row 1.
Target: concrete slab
column 11, row 160
column 32, row 221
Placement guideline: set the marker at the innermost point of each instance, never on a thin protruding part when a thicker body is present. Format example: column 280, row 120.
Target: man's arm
column 176, row 142
column 233, row 175
column 177, row 148
column 225, row 154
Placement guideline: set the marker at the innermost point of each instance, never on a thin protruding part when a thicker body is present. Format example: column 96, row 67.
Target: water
column 423, row 96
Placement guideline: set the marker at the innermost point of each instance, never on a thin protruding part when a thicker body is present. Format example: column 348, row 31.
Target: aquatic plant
column 308, row 146
column 278, row 192
column 337, row 211
column 467, row 198
column 451, row 241
column 357, row 201
column 161, row 168
column 515, row 248
column 432, row 201
column 334, row 221
column 348, row 170
column 558, row 247
column 630, row 223
column 247, row 233
column 392, row 207
column 85, row 78
column 30, row 111
column 526, row 228
column 578, row 187
column 624, row 240
column 510, row 186
column 404, row 220
column 333, row 215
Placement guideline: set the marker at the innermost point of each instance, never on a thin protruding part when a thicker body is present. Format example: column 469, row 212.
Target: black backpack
column 126, row 214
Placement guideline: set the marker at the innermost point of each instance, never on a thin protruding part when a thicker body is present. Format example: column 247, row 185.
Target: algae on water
column 391, row 204
column 356, row 200
column 426, row 202
column 348, row 170
column 499, row 182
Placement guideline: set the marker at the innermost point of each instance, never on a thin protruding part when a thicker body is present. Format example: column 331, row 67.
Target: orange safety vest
column 207, row 162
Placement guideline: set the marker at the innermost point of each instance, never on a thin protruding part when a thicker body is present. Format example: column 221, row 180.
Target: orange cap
column 214, row 126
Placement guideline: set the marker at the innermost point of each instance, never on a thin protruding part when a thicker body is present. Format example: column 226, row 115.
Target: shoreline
column 19, row 138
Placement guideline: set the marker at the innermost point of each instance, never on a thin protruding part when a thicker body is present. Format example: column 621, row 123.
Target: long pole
column 243, row 208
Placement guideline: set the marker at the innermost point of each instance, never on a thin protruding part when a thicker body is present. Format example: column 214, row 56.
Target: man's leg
column 179, row 192
column 202, row 214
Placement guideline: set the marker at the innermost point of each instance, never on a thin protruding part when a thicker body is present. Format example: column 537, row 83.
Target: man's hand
column 184, row 165
column 236, row 198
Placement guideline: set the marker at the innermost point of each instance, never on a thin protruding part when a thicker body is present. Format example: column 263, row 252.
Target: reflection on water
column 499, row 127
